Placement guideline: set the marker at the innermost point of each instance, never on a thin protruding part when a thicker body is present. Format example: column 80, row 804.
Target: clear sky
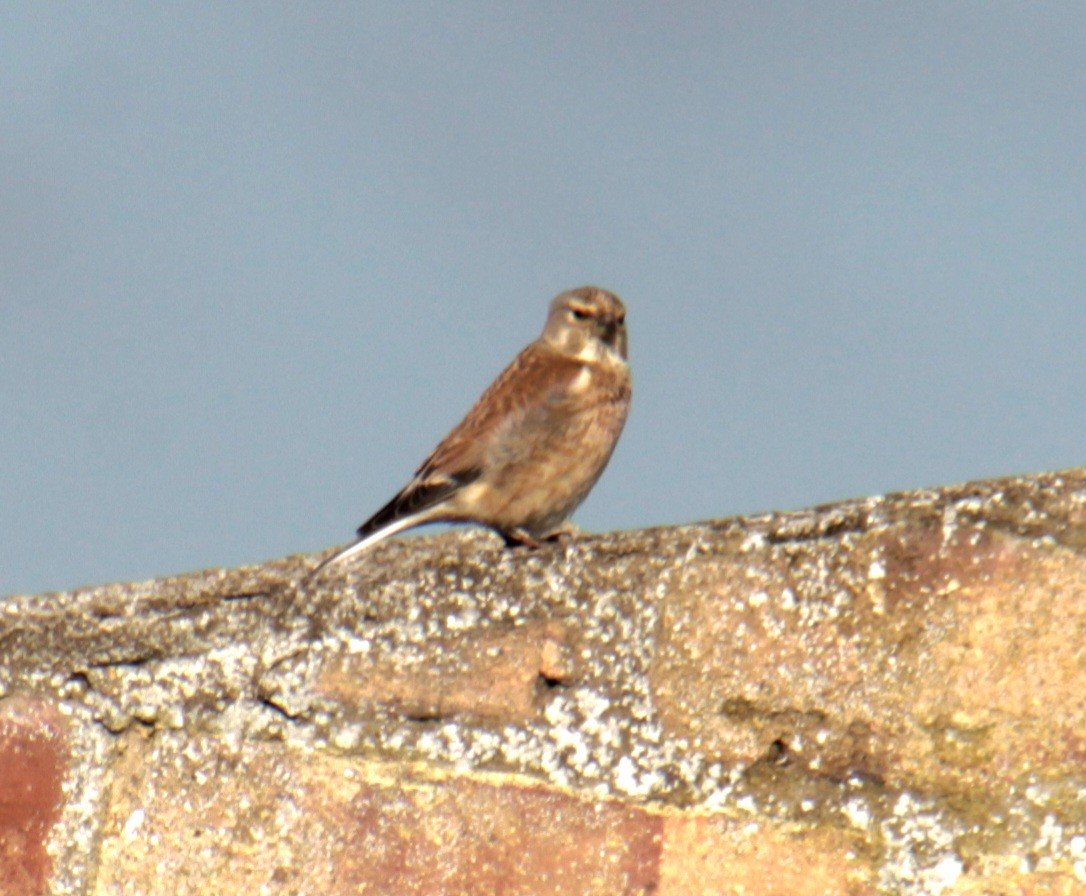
column 256, row 259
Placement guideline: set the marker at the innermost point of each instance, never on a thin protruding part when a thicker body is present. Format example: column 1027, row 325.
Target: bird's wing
column 417, row 496
column 537, row 379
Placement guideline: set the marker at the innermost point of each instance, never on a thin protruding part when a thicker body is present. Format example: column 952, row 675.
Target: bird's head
column 589, row 323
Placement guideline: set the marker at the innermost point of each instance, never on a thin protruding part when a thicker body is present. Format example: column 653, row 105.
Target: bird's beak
column 614, row 333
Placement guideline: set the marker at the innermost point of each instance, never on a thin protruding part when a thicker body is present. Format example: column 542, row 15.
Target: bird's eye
column 579, row 313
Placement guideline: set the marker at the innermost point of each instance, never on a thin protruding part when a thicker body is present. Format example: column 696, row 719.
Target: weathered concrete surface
column 878, row 696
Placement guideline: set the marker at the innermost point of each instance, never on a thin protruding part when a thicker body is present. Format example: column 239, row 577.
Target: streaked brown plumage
column 530, row 450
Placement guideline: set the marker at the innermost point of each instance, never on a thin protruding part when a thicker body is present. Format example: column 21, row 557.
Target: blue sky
column 256, row 259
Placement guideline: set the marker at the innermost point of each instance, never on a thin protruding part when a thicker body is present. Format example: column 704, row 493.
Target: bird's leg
column 517, row 537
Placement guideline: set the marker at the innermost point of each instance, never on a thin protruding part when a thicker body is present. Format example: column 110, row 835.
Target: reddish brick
column 33, row 759
column 468, row 837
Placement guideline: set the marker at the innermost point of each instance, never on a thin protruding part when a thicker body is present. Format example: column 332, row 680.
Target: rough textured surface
column 880, row 696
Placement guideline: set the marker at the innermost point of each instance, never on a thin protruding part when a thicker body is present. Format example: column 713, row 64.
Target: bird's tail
column 420, row 502
column 371, row 538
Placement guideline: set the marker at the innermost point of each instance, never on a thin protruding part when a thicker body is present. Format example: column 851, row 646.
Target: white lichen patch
column 919, row 840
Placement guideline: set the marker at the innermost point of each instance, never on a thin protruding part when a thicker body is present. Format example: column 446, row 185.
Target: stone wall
column 879, row 696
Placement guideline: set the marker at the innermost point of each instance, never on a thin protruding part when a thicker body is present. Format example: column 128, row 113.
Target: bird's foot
column 522, row 538
column 519, row 538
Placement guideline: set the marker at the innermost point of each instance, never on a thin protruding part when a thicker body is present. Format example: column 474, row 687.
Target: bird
column 535, row 443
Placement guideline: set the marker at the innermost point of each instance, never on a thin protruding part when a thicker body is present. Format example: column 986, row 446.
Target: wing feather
column 539, row 379
column 417, row 496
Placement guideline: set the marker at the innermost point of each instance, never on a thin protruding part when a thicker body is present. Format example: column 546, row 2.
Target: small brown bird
column 537, row 440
